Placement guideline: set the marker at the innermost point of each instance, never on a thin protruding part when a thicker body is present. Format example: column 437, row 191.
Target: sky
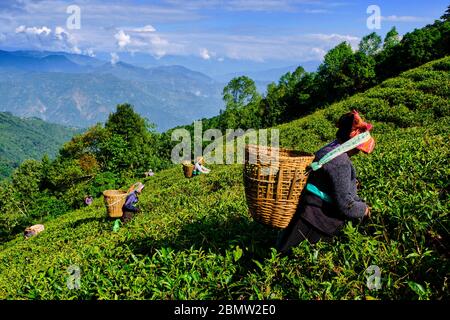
column 269, row 33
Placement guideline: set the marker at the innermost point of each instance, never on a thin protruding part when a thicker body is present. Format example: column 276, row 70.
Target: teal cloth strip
column 343, row 148
column 314, row 190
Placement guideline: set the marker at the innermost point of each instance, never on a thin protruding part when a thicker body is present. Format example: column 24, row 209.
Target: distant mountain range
column 78, row 90
column 29, row 138
column 213, row 67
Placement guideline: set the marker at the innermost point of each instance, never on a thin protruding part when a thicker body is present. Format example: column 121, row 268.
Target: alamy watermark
column 73, row 22
column 374, row 20
column 225, row 148
column 374, row 278
column 74, row 278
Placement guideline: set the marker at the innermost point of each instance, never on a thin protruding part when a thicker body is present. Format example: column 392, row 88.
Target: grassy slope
column 194, row 239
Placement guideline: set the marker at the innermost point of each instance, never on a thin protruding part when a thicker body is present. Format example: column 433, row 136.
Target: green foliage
column 332, row 81
column 195, row 240
column 102, row 157
column 290, row 98
column 22, row 138
column 242, row 104
column 371, row 43
column 342, row 74
column 391, row 40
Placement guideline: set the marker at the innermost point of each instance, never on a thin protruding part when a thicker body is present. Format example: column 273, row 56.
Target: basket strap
column 317, row 192
column 343, row 148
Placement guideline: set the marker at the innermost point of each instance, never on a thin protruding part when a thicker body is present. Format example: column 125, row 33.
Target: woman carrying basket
column 129, row 209
column 330, row 196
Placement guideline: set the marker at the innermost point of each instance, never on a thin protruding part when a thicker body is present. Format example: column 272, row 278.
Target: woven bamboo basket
column 188, row 169
column 114, row 201
column 273, row 183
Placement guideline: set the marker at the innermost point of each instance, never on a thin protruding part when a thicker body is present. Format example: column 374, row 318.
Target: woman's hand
column 368, row 212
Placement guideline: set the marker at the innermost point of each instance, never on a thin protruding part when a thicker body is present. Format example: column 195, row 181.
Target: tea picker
column 121, row 204
column 310, row 196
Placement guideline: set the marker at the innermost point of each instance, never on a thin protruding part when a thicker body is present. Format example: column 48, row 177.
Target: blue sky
column 268, row 32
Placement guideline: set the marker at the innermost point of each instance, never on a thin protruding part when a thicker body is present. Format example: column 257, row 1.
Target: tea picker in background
column 199, row 168
column 150, row 173
column 129, row 208
column 330, row 197
column 33, row 230
column 88, row 200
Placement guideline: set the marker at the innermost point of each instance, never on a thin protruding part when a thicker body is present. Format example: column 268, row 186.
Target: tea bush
column 195, row 240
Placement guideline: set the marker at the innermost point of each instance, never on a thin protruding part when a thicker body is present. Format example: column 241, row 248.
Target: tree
column 332, row 83
column 239, row 92
column 242, row 104
column 132, row 144
column 391, row 40
column 415, row 48
column 370, row 44
column 26, row 180
column 126, row 123
column 361, row 69
column 446, row 15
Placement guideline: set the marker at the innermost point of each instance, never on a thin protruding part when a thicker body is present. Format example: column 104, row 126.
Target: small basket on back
column 114, row 201
column 274, row 179
column 188, row 169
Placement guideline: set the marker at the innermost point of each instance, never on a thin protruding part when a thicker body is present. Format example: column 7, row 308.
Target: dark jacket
column 131, row 200
column 337, row 178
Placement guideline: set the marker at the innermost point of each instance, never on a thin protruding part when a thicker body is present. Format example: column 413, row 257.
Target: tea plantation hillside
column 194, row 239
column 28, row 138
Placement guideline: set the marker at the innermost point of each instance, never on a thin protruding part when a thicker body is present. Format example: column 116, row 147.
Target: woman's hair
column 345, row 124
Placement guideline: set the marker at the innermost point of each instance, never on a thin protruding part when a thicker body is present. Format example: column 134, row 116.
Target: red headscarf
column 359, row 126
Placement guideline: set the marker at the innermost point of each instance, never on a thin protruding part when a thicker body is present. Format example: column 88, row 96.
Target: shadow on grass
column 216, row 236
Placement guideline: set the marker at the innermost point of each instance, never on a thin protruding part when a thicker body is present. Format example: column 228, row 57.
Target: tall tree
column 392, row 39
column 446, row 15
column 360, row 68
column 370, row 44
column 242, row 102
column 331, row 81
column 239, row 92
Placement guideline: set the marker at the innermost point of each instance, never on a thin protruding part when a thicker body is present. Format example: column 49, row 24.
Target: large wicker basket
column 188, row 169
column 114, row 201
column 273, row 184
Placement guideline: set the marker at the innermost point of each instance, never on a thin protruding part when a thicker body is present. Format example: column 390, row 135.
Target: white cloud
column 205, row 54
column 33, row 30
column 122, row 38
column 89, row 52
column 135, row 34
column 48, row 39
column 246, row 5
column 319, row 53
column 159, row 45
column 114, row 58
column 315, row 11
column 145, row 29
column 395, row 18
column 146, row 39
column 333, row 37
column 260, row 48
